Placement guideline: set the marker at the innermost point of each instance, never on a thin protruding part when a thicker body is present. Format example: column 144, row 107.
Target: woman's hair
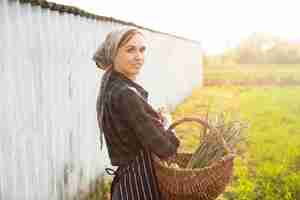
column 106, row 52
column 127, row 36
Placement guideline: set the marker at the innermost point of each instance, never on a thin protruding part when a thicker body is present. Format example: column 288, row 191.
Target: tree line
column 259, row 48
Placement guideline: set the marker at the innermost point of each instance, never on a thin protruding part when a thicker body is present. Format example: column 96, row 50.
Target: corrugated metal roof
column 77, row 11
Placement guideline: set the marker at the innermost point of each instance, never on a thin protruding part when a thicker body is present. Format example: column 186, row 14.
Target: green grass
column 270, row 167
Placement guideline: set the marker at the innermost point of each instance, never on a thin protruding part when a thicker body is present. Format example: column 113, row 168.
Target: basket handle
column 206, row 125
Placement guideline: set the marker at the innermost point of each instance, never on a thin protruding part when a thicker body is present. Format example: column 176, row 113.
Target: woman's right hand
column 165, row 116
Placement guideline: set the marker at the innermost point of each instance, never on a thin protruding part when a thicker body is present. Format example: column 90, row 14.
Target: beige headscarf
column 107, row 51
column 104, row 57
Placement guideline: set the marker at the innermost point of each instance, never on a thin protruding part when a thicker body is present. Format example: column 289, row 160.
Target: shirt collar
column 139, row 88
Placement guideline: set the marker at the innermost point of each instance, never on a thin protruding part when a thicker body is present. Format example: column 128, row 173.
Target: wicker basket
column 190, row 184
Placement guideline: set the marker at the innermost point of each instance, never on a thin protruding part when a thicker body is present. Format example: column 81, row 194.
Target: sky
column 216, row 24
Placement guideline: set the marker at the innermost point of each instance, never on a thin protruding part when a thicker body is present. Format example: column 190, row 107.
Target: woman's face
column 130, row 57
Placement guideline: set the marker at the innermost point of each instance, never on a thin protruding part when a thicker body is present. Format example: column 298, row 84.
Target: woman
column 133, row 130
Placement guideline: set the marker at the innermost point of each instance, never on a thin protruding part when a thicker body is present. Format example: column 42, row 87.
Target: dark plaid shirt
column 130, row 124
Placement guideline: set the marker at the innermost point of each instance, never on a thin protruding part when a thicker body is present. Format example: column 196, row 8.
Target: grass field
column 252, row 74
column 270, row 166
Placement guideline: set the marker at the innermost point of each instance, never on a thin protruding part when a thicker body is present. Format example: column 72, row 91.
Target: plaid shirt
column 130, row 124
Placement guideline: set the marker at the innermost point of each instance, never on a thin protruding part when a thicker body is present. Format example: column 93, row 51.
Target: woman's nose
column 139, row 56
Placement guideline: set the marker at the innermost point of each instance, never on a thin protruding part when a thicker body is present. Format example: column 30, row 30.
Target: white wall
column 49, row 85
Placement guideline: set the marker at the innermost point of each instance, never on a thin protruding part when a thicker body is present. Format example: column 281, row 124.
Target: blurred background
column 241, row 58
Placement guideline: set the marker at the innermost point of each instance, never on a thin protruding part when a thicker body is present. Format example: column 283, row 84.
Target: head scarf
column 104, row 57
column 107, row 51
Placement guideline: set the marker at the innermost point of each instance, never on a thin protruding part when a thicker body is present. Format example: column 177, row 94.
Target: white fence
column 49, row 142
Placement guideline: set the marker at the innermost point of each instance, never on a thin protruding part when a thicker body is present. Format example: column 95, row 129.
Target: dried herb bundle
column 218, row 139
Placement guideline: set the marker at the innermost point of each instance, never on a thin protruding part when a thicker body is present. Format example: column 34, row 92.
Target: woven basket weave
column 205, row 183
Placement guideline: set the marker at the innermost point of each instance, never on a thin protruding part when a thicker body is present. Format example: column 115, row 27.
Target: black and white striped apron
column 136, row 181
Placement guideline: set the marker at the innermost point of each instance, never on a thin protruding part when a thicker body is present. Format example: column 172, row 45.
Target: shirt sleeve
column 153, row 137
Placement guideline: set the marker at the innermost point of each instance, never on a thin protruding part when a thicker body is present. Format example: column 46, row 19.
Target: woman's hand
column 165, row 116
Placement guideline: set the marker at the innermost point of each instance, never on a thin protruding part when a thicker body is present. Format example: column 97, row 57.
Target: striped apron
column 136, row 181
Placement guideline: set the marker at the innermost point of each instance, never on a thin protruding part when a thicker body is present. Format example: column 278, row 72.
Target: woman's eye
column 131, row 50
column 142, row 50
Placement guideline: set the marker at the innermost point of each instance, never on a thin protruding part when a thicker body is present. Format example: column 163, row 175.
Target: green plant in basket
column 219, row 138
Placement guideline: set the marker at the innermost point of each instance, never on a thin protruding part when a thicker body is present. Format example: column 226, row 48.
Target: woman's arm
column 134, row 110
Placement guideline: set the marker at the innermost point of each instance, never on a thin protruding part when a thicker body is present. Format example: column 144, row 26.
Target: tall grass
column 270, row 168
